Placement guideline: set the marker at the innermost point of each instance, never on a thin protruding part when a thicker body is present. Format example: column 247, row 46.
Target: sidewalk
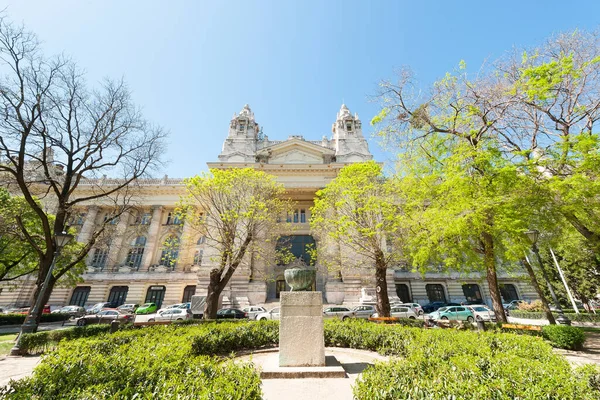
column 46, row 326
column 590, row 353
column 16, row 368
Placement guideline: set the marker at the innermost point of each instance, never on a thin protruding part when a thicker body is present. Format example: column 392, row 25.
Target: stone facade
column 130, row 266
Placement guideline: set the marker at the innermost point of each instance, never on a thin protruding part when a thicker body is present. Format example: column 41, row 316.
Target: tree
column 360, row 209
column 236, row 210
column 57, row 137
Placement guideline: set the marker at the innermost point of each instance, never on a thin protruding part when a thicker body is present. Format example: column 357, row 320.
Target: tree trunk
column 538, row 290
column 592, row 237
column 213, row 294
column 492, row 279
column 383, row 301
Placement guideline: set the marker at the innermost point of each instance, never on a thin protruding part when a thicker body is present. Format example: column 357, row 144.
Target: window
column 110, row 219
column 136, row 252
column 201, row 240
column 288, row 218
column 170, row 252
column 403, row 292
column 302, row 216
column 155, row 294
column 78, row 219
column 298, row 245
column 198, row 257
column 118, row 295
column 173, row 219
column 143, row 219
column 508, row 292
column 348, row 126
column 241, row 127
column 188, row 292
column 295, row 216
column 472, row 292
column 435, row 292
column 80, row 295
column 99, row 257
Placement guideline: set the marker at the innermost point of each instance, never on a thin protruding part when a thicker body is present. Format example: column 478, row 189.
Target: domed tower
column 240, row 145
column 350, row 144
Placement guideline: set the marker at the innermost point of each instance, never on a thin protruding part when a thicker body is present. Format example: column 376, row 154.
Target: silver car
column 342, row 313
column 253, row 311
column 273, row 314
column 364, row 312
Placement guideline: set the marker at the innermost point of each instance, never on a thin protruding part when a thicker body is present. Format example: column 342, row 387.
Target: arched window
column 170, row 252
column 136, row 252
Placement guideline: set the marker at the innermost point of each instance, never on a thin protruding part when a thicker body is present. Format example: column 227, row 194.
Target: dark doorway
column 403, row 292
column 435, row 292
column 118, row 295
column 472, row 293
column 155, row 294
column 508, row 292
column 80, row 296
column 298, row 245
column 188, row 292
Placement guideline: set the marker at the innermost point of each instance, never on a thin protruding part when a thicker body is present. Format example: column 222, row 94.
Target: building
column 134, row 265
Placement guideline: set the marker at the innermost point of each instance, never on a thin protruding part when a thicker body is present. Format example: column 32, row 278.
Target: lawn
column 7, row 341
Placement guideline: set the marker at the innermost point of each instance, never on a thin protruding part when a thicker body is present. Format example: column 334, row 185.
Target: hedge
column 33, row 343
column 19, row 319
column 581, row 317
column 564, row 337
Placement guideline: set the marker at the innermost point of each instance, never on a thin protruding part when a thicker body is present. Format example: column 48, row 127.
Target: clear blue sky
column 191, row 64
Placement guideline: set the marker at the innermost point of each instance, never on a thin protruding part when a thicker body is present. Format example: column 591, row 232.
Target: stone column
column 152, row 236
column 88, row 225
column 186, row 247
column 117, row 240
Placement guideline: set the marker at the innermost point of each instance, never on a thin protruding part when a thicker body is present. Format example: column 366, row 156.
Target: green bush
column 18, row 319
column 564, row 337
column 227, row 338
column 154, row 362
column 33, row 343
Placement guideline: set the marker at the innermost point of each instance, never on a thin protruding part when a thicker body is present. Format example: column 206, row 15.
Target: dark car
column 105, row 317
column 434, row 306
column 96, row 308
column 231, row 313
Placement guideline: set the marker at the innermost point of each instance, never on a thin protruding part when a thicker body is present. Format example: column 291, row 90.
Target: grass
column 7, row 341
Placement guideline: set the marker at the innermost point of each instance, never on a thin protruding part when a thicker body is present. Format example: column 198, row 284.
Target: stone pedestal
column 301, row 339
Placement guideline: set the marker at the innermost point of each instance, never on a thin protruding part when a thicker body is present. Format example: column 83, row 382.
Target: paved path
column 590, row 353
column 16, row 368
column 46, row 326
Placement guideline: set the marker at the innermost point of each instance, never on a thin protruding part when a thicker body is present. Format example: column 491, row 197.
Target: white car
column 364, row 312
column 342, row 313
column 171, row 314
column 273, row 314
column 416, row 307
column 482, row 313
column 401, row 312
column 253, row 311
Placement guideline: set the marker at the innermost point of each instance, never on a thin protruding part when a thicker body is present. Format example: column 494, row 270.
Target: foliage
column 39, row 342
column 564, row 337
column 156, row 362
column 227, row 338
column 237, row 210
column 17, row 319
column 359, row 210
column 535, row 306
column 581, row 317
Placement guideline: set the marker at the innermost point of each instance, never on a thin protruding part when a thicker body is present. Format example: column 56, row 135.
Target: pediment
column 296, row 152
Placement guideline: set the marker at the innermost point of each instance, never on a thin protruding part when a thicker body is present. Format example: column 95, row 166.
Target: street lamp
column 30, row 325
column 533, row 236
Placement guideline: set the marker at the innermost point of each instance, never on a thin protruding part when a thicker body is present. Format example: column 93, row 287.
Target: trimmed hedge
column 564, row 337
column 19, row 319
column 581, row 317
column 227, row 338
column 33, row 343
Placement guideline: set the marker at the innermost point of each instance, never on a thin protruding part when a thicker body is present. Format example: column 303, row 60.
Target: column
column 187, row 247
column 152, row 236
column 117, row 241
column 88, row 225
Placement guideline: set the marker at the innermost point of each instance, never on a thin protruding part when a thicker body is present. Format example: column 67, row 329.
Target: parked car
column 96, row 308
column 128, row 307
column 342, row 313
column 146, row 308
column 416, row 307
column 231, row 313
column 457, row 313
column 434, row 306
column 513, row 305
column 180, row 305
column 71, row 311
column 172, row 314
column 25, row 310
column 105, row 317
column 253, row 311
column 401, row 312
column 482, row 313
column 272, row 314
column 364, row 312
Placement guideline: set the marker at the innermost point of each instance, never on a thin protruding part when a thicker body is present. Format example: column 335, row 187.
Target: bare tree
column 58, row 136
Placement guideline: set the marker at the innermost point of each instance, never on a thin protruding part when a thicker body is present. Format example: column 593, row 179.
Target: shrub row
column 33, row 343
column 154, row 362
column 564, row 337
column 18, row 319
column 227, row 338
column 582, row 317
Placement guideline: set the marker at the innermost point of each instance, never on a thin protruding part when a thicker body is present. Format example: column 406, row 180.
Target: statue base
column 301, row 337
